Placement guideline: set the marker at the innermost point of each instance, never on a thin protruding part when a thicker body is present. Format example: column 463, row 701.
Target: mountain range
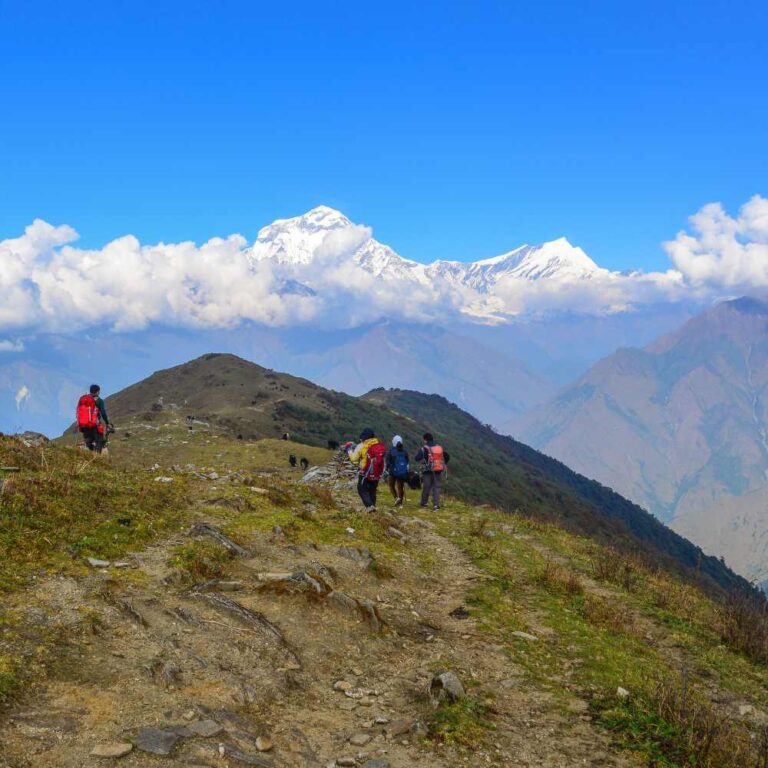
column 298, row 242
column 680, row 427
column 372, row 318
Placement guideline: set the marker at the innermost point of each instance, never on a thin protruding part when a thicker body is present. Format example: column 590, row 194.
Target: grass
column 64, row 505
column 61, row 506
column 597, row 606
column 198, row 561
column 464, row 723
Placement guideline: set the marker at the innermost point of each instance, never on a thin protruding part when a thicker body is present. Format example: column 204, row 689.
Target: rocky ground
column 304, row 652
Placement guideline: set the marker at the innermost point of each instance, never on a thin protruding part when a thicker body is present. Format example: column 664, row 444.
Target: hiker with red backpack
column 398, row 469
column 92, row 420
column 369, row 455
column 435, row 461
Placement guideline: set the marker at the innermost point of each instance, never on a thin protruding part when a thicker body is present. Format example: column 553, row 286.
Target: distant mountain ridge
column 247, row 400
column 680, row 427
column 297, row 243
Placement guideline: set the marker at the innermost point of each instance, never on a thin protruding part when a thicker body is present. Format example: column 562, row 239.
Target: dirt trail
column 156, row 656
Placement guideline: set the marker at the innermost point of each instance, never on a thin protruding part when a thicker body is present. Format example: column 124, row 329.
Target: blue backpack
column 400, row 464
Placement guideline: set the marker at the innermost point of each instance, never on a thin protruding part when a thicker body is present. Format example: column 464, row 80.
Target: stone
column 622, row 693
column 380, row 720
column 205, row 728
column 400, row 727
column 156, row 741
column 525, row 636
column 190, row 714
column 213, row 475
column 342, row 685
column 111, row 749
column 163, row 479
column 361, row 555
column 356, row 671
column 354, row 693
column 263, row 743
column 377, row 762
column 360, row 739
column 96, row 563
column 346, row 762
column 446, row 686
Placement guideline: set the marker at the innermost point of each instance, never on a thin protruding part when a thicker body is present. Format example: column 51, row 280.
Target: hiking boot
column 435, row 508
column 370, row 509
column 399, row 503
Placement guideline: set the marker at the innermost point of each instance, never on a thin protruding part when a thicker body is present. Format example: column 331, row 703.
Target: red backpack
column 374, row 467
column 87, row 412
column 435, row 458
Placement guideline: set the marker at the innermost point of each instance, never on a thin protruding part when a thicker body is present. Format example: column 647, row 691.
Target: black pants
column 94, row 440
column 430, row 483
column 367, row 490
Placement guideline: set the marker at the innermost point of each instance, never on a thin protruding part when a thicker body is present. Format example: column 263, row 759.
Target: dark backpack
column 400, row 465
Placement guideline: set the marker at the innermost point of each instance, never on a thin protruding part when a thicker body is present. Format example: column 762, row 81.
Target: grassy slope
column 602, row 622
column 240, row 398
column 495, row 468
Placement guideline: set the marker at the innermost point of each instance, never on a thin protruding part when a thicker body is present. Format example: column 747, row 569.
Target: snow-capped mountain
column 293, row 243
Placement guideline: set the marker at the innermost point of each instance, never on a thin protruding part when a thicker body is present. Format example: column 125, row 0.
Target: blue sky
column 456, row 130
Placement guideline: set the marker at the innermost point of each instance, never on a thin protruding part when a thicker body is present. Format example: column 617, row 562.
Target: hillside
column 248, row 618
column 237, row 398
column 680, row 428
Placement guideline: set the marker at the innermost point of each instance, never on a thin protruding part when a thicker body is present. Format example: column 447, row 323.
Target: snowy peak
column 293, row 243
column 295, row 240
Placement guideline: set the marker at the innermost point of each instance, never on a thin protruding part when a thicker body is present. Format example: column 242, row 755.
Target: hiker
column 304, row 463
column 398, row 469
column 369, row 455
column 292, row 460
column 435, row 460
column 92, row 419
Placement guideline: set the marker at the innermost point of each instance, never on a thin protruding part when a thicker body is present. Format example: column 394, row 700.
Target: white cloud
column 48, row 284
column 22, row 396
column 11, row 345
column 724, row 253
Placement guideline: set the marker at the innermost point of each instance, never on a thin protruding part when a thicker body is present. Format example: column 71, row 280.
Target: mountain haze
column 680, row 428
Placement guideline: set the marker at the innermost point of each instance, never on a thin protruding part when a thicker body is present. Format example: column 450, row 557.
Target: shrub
column 744, row 625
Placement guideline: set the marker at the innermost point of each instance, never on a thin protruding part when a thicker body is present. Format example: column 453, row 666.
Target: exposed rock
column 622, row 693
column 377, row 762
column 459, row 613
column 205, row 728
column 205, row 529
column 525, row 636
column 263, row 743
column 360, row 739
column 96, row 563
column 33, row 439
column 111, row 749
column 400, row 727
column 163, row 479
column 342, row 685
column 156, row 741
column 346, row 762
column 361, row 555
column 446, row 686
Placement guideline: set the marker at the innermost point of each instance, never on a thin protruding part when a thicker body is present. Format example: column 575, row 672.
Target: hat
column 396, row 440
